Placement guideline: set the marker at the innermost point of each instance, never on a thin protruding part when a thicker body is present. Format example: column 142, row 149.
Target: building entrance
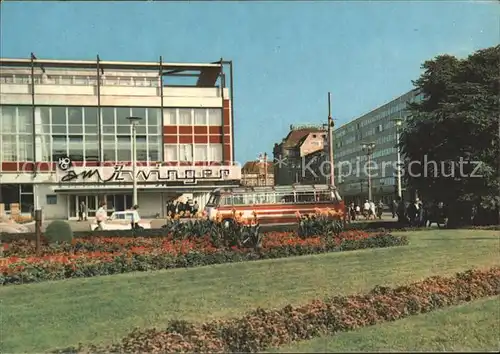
column 114, row 202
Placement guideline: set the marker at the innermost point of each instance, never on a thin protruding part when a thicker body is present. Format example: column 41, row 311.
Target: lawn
column 470, row 327
column 38, row 317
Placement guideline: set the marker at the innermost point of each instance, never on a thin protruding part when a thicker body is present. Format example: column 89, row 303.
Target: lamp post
column 330, row 141
column 398, row 122
column 368, row 149
column 133, row 127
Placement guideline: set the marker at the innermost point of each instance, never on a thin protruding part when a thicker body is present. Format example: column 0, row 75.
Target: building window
column 200, row 116
column 201, row 152
column 170, row 116
column 171, row 152
column 186, row 152
column 215, row 116
column 185, row 117
column 51, row 199
column 215, row 152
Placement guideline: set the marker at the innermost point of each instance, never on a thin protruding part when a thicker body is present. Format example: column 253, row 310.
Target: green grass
column 470, row 327
column 38, row 317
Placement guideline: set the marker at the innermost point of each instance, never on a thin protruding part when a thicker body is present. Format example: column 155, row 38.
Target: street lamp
column 398, row 122
column 133, row 127
column 368, row 149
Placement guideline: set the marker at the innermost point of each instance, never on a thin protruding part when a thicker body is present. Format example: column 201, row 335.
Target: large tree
column 457, row 126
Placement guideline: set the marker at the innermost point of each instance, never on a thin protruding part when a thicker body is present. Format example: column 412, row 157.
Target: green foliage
column 262, row 329
column 58, row 231
column 457, row 120
column 230, row 234
column 319, row 225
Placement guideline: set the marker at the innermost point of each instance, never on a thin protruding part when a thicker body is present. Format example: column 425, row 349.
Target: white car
column 120, row 220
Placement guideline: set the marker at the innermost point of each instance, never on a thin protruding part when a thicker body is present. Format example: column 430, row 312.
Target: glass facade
column 193, row 116
column 377, row 126
column 73, row 132
column 16, row 134
column 21, row 194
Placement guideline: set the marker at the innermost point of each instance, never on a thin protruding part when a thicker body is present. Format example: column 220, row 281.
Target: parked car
column 120, row 220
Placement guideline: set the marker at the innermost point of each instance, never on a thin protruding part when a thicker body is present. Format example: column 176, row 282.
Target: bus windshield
column 214, row 200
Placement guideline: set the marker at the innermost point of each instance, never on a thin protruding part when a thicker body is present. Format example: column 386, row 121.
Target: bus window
column 270, row 198
column 282, row 197
column 227, row 200
column 238, row 199
column 323, row 196
column 305, row 197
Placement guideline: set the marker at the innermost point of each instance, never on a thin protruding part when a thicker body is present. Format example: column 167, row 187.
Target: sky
column 287, row 55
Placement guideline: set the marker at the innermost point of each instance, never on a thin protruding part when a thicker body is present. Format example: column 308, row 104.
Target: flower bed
column 104, row 256
column 262, row 329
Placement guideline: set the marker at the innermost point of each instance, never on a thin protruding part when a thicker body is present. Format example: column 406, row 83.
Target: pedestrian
column 366, row 209
column 134, row 223
column 394, row 208
column 101, row 215
column 352, row 212
column 372, row 210
column 196, row 207
column 401, row 212
column 413, row 212
column 380, row 209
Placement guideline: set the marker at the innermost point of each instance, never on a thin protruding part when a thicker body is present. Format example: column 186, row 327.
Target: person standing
column 101, row 215
column 134, row 223
column 366, row 209
column 372, row 210
column 380, row 209
column 196, row 207
column 394, row 208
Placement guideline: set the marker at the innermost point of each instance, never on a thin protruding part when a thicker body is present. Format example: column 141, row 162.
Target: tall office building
column 377, row 127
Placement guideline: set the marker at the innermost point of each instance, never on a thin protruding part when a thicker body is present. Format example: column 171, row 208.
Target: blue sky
column 287, row 55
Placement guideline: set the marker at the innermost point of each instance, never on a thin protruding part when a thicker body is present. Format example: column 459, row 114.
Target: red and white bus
column 273, row 206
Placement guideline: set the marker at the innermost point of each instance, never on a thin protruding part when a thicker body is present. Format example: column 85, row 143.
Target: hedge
column 179, row 255
column 262, row 329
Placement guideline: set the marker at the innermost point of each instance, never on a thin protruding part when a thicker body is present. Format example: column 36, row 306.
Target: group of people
column 175, row 207
column 415, row 213
column 419, row 214
column 369, row 210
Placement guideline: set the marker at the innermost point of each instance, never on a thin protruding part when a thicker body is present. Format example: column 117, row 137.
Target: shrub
column 86, row 258
column 262, row 329
column 58, row 231
column 322, row 223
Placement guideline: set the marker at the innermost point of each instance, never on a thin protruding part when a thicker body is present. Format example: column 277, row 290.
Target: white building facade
column 65, row 137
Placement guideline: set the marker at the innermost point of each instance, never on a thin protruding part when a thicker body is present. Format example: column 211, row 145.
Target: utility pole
column 330, row 141
column 265, row 169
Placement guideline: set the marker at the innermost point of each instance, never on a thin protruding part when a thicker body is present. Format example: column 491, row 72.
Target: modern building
column 257, row 173
column 289, row 155
column 65, row 138
column 378, row 127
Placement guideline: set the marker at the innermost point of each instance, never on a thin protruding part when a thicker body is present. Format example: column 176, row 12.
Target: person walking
column 134, row 223
column 394, row 208
column 196, row 208
column 380, row 209
column 401, row 212
column 366, row 209
column 81, row 210
column 101, row 215
column 372, row 210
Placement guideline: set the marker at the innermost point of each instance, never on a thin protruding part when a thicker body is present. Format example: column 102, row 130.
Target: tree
column 456, row 125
